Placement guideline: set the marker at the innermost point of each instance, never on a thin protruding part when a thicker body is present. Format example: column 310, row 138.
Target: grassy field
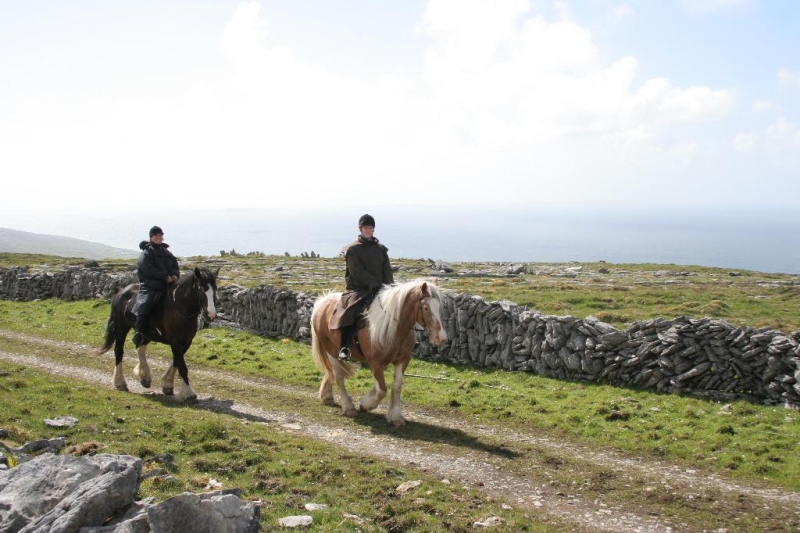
column 615, row 293
column 738, row 440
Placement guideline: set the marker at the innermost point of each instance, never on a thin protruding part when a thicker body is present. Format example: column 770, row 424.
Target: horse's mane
column 385, row 310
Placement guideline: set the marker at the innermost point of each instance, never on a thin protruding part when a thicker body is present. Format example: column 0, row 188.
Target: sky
column 203, row 104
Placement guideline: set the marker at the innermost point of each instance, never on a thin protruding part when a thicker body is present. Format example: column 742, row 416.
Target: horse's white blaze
column 210, row 309
column 439, row 336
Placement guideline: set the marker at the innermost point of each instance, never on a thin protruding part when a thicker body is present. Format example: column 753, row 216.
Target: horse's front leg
column 395, row 413
column 168, row 381
column 186, row 394
column 142, row 369
column 371, row 400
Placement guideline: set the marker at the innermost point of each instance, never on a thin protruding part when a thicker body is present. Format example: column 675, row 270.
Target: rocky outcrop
column 55, row 494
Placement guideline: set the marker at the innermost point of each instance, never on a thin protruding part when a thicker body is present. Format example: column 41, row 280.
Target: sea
column 764, row 240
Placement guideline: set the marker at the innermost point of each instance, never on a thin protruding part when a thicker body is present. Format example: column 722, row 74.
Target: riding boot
column 347, row 334
column 139, row 328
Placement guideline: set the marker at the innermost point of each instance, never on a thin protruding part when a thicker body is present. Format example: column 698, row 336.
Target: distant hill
column 23, row 242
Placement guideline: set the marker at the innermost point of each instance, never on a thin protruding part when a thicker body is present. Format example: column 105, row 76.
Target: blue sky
column 601, row 103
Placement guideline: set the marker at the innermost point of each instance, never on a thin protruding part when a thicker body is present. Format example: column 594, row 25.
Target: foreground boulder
column 53, row 493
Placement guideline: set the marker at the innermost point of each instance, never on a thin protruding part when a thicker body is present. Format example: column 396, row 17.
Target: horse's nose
column 211, row 316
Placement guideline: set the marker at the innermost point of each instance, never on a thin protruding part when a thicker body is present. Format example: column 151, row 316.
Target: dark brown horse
column 387, row 338
column 173, row 321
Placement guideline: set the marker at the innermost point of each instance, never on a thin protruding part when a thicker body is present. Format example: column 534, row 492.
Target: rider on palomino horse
column 367, row 270
column 157, row 269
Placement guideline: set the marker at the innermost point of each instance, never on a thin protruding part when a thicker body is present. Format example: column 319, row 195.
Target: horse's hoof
column 192, row 399
column 400, row 422
column 145, row 383
column 122, row 388
column 329, row 401
column 169, row 391
column 351, row 413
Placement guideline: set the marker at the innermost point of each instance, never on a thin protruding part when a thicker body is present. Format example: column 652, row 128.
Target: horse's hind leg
column 339, row 374
column 142, row 369
column 119, row 374
column 326, row 389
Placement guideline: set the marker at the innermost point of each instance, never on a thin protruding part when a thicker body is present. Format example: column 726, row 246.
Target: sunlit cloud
column 789, row 78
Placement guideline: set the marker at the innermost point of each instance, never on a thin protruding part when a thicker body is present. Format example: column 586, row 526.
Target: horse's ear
column 424, row 289
column 216, row 274
column 197, row 273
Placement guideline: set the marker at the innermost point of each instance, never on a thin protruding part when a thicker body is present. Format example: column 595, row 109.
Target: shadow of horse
column 423, row 432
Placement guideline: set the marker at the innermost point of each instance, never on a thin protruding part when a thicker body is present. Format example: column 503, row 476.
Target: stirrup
column 344, row 354
column 137, row 338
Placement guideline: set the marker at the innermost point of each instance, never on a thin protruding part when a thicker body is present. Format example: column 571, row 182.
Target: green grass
column 615, row 293
column 280, row 470
column 739, row 440
column 742, row 439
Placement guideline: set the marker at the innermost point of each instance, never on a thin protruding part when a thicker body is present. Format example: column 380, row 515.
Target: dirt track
column 488, row 467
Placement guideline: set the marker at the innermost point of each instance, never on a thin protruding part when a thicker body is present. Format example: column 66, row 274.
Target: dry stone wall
column 682, row 355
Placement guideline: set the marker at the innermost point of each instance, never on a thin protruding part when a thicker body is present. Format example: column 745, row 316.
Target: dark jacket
column 156, row 262
column 367, row 270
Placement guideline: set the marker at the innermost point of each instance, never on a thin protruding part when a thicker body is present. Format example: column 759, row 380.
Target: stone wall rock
column 701, row 356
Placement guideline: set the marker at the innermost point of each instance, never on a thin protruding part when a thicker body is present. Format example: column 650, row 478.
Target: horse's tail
column 317, row 352
column 110, row 330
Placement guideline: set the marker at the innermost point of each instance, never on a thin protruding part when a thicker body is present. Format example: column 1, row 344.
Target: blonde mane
column 386, row 309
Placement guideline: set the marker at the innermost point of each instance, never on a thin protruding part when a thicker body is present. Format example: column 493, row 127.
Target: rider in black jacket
column 157, row 269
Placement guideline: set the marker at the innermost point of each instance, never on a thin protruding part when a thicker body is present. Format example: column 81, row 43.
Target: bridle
column 198, row 292
column 421, row 314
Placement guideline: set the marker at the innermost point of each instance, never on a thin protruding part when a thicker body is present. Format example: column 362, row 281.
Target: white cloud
column 783, row 137
column 746, row 142
column 505, row 97
column 789, row 78
column 763, row 106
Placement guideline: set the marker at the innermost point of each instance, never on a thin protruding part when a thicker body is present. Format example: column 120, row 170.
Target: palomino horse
column 387, row 339
column 173, row 321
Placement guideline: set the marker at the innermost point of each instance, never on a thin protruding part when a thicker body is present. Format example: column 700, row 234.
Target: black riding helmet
column 366, row 220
